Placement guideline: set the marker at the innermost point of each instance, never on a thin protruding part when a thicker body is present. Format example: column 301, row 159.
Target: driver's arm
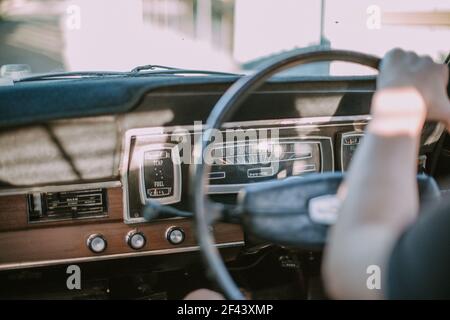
column 380, row 193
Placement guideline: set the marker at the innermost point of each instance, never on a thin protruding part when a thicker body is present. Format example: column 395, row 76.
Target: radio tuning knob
column 136, row 240
column 175, row 235
column 96, row 243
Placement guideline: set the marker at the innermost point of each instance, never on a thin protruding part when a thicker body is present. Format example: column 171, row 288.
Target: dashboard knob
column 136, row 240
column 96, row 243
column 175, row 235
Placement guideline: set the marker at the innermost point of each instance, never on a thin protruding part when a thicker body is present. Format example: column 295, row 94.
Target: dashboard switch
column 136, row 240
column 96, row 243
column 175, row 235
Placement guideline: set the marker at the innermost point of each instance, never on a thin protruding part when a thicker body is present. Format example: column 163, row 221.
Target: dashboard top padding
column 41, row 101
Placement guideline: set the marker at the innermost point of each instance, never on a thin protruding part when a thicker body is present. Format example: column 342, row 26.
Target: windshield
column 221, row 35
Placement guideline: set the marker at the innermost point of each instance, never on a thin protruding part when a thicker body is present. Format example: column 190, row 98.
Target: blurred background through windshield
column 225, row 35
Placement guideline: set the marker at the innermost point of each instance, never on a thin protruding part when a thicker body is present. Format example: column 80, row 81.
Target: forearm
column 382, row 173
column 380, row 199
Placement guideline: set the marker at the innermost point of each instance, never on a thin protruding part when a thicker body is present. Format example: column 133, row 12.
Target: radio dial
column 175, row 235
column 96, row 243
column 136, row 240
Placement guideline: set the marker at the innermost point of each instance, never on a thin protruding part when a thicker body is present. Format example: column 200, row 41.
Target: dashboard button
column 175, row 235
column 136, row 240
column 96, row 243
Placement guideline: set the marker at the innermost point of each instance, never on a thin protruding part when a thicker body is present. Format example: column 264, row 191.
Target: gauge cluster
column 260, row 161
column 160, row 173
column 156, row 161
column 348, row 143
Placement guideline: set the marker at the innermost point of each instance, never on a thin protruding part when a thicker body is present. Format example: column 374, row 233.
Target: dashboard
column 155, row 168
column 73, row 188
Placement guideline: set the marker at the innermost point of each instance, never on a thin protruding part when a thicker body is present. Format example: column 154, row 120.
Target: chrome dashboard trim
column 34, row 264
column 344, row 135
column 177, row 183
column 266, row 124
column 173, row 199
column 436, row 134
column 294, row 122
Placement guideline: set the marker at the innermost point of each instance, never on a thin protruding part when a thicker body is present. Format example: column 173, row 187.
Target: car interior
column 104, row 171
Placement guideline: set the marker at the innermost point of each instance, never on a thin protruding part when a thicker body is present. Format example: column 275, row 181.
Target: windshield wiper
column 159, row 69
column 71, row 75
column 152, row 67
column 188, row 71
column 145, row 70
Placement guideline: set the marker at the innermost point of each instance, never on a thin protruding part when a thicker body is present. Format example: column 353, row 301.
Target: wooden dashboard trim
column 13, row 211
column 24, row 244
column 34, row 264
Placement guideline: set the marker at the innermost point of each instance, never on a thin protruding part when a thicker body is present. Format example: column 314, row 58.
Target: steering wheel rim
column 227, row 105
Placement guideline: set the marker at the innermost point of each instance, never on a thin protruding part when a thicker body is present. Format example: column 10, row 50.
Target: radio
column 77, row 204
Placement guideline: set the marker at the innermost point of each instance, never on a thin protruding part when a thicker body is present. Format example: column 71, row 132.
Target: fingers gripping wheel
column 222, row 111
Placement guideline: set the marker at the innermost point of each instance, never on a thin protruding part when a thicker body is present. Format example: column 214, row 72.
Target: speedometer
column 240, row 163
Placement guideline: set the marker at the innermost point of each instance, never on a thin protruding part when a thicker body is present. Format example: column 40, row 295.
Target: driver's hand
column 204, row 294
column 412, row 88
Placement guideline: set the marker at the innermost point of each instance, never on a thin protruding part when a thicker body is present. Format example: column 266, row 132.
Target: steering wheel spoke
column 298, row 212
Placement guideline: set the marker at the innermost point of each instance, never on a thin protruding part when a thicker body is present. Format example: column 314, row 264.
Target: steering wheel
column 281, row 211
